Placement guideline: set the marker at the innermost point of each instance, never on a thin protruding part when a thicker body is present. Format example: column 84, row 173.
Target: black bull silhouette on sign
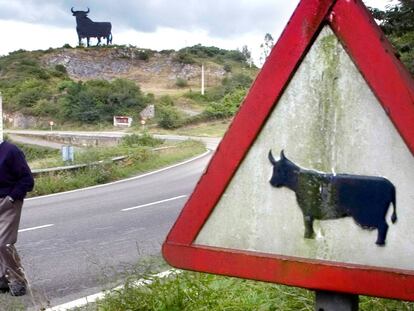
column 86, row 28
column 328, row 196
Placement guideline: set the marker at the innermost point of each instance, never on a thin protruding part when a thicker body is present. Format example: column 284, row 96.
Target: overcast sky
column 154, row 24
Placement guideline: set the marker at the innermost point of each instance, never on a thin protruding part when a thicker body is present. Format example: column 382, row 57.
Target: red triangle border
column 393, row 86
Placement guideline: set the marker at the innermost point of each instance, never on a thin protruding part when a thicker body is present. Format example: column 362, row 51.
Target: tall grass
column 140, row 159
column 33, row 152
column 190, row 291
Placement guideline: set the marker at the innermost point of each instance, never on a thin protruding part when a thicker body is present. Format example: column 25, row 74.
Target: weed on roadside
column 198, row 291
column 139, row 159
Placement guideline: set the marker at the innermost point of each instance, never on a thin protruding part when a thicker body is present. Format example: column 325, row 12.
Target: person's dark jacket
column 15, row 176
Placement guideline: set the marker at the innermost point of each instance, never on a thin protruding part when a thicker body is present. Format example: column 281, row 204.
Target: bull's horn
column 271, row 158
column 72, row 10
column 88, row 11
column 282, row 154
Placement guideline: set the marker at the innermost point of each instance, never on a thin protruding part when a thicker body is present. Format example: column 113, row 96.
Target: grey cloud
column 219, row 18
column 44, row 12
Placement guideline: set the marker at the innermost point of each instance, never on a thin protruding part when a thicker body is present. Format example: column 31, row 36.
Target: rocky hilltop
column 153, row 71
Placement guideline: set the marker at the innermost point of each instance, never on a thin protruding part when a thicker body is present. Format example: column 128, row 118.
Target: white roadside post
column 202, row 79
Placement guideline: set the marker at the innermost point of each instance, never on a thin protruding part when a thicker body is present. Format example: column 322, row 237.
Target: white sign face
column 327, row 120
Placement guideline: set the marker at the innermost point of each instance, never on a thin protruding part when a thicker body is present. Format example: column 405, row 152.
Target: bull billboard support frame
column 392, row 86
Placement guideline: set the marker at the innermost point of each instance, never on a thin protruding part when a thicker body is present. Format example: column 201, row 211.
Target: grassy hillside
column 90, row 85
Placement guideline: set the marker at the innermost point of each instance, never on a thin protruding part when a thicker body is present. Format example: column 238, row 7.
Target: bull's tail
column 394, row 204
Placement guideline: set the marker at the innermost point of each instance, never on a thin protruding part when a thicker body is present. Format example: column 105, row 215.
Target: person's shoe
column 17, row 289
column 4, row 286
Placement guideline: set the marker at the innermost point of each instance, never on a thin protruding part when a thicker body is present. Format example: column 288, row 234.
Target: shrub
column 167, row 52
column 237, row 81
column 226, row 107
column 212, row 51
column 145, row 139
column 99, row 100
column 180, row 82
column 166, row 100
column 169, row 117
column 33, row 152
column 227, row 67
column 183, row 57
column 143, row 54
column 61, row 68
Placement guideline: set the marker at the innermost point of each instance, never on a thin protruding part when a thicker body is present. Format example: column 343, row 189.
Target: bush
column 166, row 100
column 180, row 82
column 212, row 51
column 227, row 68
column 25, row 82
column 61, row 68
column 237, row 81
column 169, row 117
column 145, row 139
column 143, row 54
column 226, row 107
column 183, row 57
column 167, row 52
column 33, row 152
column 99, row 100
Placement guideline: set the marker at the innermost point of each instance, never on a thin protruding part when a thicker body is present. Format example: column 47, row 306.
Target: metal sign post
column 332, row 301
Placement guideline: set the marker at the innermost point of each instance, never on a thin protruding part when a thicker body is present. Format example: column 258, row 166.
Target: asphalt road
column 19, row 135
column 86, row 237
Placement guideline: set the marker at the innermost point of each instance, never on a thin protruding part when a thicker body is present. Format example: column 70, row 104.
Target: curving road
column 73, row 243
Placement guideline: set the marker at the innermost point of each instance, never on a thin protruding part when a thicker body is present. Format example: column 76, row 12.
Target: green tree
column 397, row 22
column 99, row 100
column 247, row 55
column 227, row 106
column 266, row 47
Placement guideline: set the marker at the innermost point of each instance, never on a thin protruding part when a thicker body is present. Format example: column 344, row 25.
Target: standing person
column 15, row 181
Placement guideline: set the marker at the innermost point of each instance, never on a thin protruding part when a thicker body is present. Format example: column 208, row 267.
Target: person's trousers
column 10, row 266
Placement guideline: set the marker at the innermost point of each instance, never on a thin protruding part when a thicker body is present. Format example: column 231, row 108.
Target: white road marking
column 92, row 298
column 35, row 228
column 153, row 203
column 123, row 180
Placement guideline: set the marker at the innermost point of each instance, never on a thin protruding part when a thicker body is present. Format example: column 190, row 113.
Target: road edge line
column 122, row 180
column 154, row 203
column 94, row 297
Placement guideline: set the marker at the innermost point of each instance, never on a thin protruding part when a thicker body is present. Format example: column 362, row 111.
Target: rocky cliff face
column 151, row 70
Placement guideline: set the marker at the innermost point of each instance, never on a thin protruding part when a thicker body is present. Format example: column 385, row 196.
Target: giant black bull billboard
column 330, row 196
column 86, row 28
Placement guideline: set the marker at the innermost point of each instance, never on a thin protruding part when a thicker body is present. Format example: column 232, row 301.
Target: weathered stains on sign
column 329, row 120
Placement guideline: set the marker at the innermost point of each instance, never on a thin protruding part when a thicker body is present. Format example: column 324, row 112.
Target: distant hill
column 48, row 83
column 153, row 71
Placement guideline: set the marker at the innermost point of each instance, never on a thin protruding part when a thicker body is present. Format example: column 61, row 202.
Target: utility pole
column 202, row 79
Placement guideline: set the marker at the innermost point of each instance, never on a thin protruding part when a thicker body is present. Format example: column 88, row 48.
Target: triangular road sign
column 334, row 97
